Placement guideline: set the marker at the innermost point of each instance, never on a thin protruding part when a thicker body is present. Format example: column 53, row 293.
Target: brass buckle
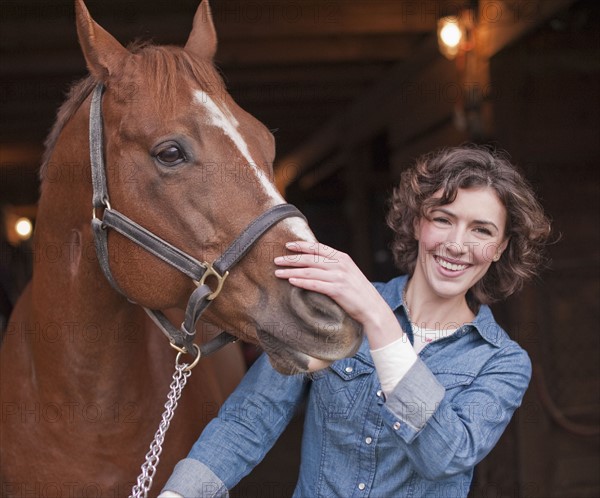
column 210, row 271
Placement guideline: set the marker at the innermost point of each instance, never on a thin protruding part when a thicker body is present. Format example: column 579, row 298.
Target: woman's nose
column 456, row 242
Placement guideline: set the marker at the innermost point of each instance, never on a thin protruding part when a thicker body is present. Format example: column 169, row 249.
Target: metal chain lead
column 144, row 480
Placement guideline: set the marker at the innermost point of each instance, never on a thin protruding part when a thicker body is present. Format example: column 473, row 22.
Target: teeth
column 450, row 266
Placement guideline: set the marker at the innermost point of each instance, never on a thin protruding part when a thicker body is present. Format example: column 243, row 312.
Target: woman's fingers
column 313, row 265
column 321, row 251
column 320, row 268
column 304, row 260
column 306, row 273
column 309, row 254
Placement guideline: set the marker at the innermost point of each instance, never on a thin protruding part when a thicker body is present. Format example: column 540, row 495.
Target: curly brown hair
column 472, row 166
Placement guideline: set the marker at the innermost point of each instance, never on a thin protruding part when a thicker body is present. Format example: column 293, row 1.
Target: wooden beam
column 510, row 22
column 19, row 165
column 301, row 74
column 315, row 50
column 18, row 154
column 282, row 18
column 66, row 57
column 241, row 21
column 361, row 116
column 501, row 23
column 291, row 166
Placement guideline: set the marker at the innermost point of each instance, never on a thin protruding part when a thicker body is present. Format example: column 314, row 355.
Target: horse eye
column 170, row 155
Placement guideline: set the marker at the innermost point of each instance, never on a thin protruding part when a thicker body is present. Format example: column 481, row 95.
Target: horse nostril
column 327, row 331
column 312, row 306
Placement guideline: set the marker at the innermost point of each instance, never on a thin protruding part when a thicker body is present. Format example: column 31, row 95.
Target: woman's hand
column 319, row 268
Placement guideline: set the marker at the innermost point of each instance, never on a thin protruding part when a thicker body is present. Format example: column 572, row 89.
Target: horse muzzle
column 320, row 332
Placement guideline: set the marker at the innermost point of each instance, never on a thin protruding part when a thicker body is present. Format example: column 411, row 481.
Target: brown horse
column 84, row 371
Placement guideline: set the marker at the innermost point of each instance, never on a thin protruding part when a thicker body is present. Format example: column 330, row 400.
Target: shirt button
column 397, row 426
column 369, row 440
column 348, row 369
column 362, row 486
column 379, row 393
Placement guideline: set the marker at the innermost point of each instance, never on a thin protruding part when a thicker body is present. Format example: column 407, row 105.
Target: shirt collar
column 392, row 291
column 484, row 322
column 487, row 327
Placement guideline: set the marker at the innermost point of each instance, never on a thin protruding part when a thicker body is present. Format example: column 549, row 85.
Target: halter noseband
column 182, row 338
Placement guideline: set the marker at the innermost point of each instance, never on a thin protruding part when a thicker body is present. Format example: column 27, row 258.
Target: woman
column 436, row 380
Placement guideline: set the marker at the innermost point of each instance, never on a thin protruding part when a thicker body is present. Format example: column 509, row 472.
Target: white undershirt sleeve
column 392, row 362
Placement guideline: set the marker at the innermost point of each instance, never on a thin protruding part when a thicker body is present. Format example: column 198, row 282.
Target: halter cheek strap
column 181, row 338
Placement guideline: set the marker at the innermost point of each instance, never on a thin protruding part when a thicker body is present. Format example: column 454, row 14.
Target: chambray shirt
column 424, row 440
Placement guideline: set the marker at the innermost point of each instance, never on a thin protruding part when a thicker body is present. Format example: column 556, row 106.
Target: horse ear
column 202, row 41
column 103, row 53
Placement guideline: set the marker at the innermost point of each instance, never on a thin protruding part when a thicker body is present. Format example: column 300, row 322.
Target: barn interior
column 354, row 91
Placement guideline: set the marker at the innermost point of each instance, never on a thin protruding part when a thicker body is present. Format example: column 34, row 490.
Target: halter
column 182, row 338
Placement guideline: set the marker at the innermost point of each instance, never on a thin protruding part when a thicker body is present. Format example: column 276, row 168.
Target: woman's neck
column 428, row 310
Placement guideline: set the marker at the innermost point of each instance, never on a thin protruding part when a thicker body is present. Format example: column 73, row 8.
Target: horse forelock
column 160, row 67
column 163, row 68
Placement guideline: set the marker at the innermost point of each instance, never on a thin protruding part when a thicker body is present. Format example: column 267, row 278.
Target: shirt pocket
column 454, row 382
column 337, row 389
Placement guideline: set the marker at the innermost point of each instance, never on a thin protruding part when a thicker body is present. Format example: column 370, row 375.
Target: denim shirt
column 424, row 440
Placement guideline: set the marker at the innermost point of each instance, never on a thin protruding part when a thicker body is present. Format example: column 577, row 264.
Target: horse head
column 188, row 164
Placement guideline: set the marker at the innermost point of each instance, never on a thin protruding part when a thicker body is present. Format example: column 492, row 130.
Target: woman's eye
column 483, row 231
column 441, row 221
column 170, row 155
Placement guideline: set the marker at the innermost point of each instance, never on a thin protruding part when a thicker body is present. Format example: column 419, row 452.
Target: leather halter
column 181, row 338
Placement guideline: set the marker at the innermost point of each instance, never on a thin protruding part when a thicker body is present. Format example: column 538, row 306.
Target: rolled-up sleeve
column 413, row 402
column 193, row 479
column 443, row 435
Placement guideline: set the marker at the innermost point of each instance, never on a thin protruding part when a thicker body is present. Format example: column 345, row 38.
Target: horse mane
column 166, row 62
column 77, row 93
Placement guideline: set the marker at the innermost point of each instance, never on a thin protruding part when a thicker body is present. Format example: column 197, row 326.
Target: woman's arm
column 443, row 437
column 247, row 426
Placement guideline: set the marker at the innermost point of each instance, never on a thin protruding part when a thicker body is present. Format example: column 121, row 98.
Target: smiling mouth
column 447, row 265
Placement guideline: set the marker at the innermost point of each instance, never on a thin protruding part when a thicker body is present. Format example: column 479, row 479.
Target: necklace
column 405, row 301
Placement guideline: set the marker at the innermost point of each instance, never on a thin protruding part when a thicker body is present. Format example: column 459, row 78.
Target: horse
column 84, row 368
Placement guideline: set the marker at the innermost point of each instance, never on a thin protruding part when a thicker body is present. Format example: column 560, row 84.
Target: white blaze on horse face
column 221, row 117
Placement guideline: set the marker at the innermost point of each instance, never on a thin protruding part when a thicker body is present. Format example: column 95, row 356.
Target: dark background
column 355, row 91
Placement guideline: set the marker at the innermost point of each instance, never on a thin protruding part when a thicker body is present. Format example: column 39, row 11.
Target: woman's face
column 459, row 241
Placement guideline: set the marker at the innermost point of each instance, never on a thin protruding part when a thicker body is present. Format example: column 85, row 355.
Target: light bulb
column 23, row 227
column 451, row 34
